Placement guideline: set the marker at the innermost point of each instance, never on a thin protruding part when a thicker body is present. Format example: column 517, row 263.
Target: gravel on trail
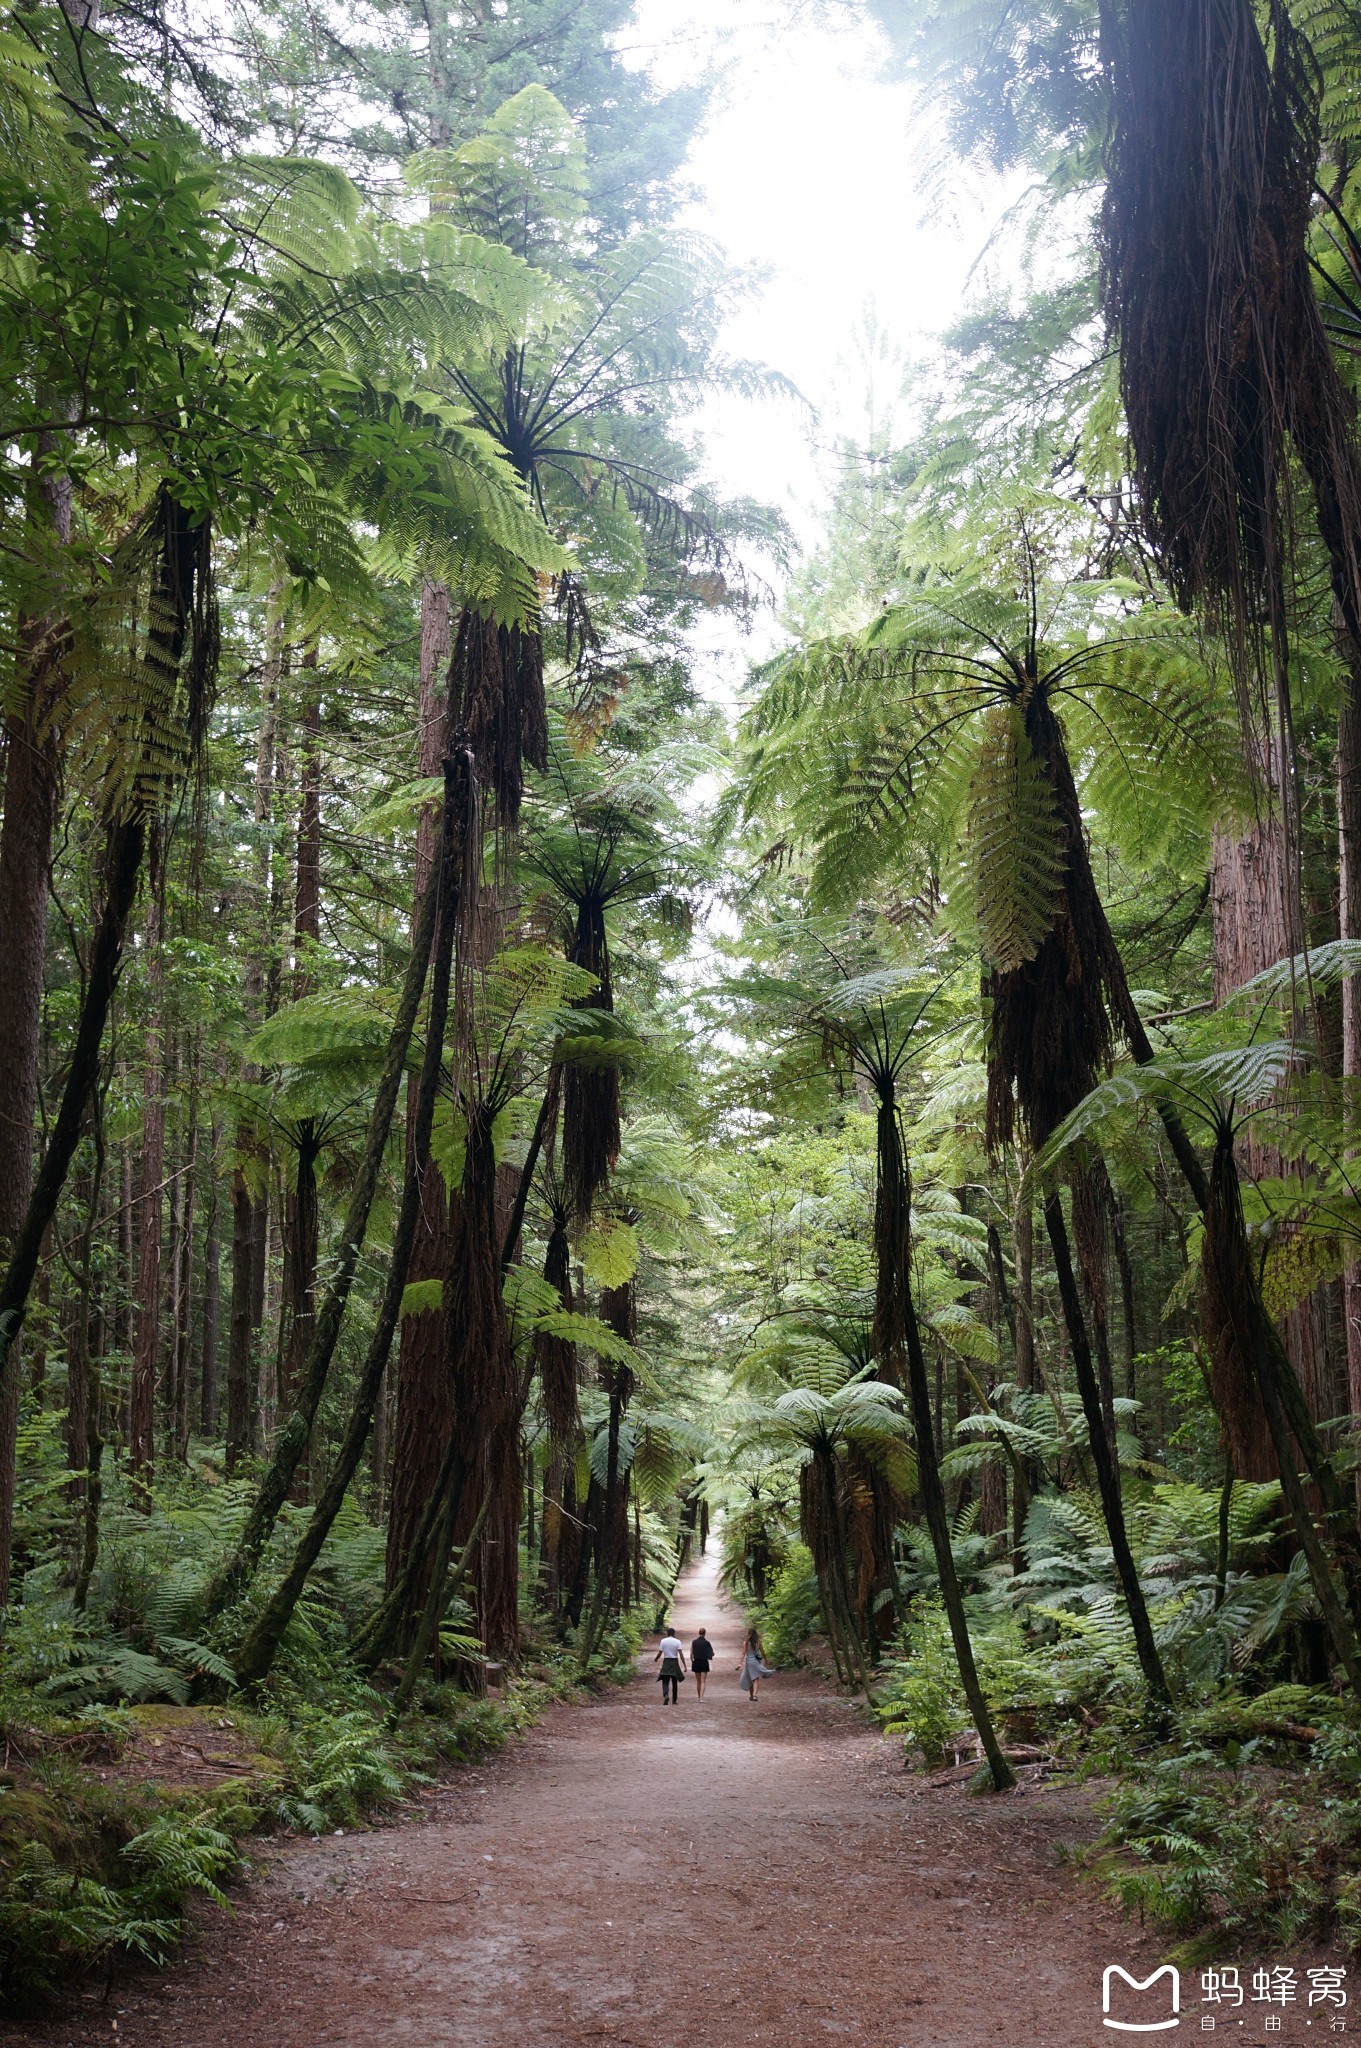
column 632, row 1874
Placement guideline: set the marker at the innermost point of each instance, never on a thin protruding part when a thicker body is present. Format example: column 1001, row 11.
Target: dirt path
column 767, row 1869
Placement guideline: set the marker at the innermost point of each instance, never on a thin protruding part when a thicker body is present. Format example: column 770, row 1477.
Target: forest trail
column 759, row 1872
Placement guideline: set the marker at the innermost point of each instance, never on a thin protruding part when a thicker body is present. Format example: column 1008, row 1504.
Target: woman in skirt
column 753, row 1667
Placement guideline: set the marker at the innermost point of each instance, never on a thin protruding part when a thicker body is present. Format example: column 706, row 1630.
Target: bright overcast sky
column 807, row 167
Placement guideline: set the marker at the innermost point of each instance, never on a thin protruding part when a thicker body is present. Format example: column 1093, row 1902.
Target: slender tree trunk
column 91, row 1337
column 307, row 896
column 1107, row 1473
column 378, row 1455
column 293, row 1435
column 423, row 1394
column 79, row 1425
column 122, row 1319
column 184, row 1301
column 1349, row 920
column 269, row 1363
column 212, row 1280
column 257, row 1652
column 299, row 1284
column 240, row 1322
column 618, row 1308
column 25, row 846
column 1125, row 1268
column 126, row 844
column 301, row 1220
column 1023, row 1252
column 142, row 1405
column 250, row 1197
column 42, row 1296
column 29, row 818
column 1089, row 1229
column 174, row 1177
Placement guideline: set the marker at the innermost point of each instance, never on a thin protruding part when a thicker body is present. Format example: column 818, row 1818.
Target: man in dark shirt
column 701, row 1657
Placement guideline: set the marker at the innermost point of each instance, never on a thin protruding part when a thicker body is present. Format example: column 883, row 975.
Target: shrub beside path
column 762, row 1872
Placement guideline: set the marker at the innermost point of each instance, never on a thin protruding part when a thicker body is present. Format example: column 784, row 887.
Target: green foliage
column 1204, row 1843
column 68, row 1903
column 1017, row 843
column 791, row 1609
column 921, row 1701
column 338, row 1767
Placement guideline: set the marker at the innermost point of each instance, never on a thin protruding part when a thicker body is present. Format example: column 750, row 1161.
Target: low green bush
column 920, row 1700
column 792, row 1608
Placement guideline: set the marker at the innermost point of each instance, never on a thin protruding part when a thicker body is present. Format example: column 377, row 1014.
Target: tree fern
column 1016, row 842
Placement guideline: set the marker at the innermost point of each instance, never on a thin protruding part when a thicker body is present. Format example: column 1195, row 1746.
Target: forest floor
column 723, row 1872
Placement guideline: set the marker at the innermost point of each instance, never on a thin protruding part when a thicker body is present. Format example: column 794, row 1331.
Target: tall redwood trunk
column 1256, row 924
column 25, row 854
column 1349, row 924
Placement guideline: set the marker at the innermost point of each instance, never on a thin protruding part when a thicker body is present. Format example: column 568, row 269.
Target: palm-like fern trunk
column 1051, row 1039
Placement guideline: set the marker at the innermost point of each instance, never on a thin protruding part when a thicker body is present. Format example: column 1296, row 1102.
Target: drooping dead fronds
column 1224, row 357
column 1054, row 1017
column 496, row 676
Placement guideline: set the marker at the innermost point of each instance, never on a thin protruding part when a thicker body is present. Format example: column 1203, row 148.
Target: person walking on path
column 753, row 1667
column 672, row 1659
column 701, row 1657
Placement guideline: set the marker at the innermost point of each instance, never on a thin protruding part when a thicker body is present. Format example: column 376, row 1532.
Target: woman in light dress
column 753, row 1667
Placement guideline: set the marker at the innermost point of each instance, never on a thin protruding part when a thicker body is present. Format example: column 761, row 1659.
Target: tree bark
column 293, row 1434
column 1107, row 1473
column 184, row 1293
column 1257, row 923
column 25, row 853
column 423, row 1394
column 1125, row 1269
column 250, row 1208
column 299, row 1283
column 1349, row 923
column 212, row 1281
column 142, row 1400
column 126, row 844
column 240, row 1322
column 80, row 1425
column 937, row 1522
column 257, row 1652
column 301, row 1221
